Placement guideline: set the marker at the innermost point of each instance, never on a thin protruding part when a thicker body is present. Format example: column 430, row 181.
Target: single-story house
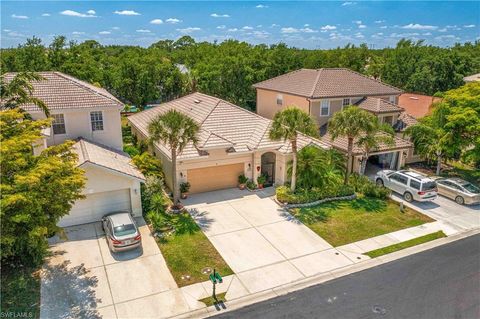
column 232, row 141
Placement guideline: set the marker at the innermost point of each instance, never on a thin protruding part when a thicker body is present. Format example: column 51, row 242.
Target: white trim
column 90, row 121
column 322, row 115
column 64, row 124
column 111, row 170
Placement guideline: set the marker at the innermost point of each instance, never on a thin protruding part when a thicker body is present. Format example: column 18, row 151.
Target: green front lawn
column 344, row 222
column 187, row 251
column 21, row 291
column 405, row 244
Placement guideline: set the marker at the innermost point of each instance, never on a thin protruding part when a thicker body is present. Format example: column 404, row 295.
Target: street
column 443, row 282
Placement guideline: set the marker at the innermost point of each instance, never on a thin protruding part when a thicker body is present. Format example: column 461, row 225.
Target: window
column 392, row 99
column 325, row 108
column 388, row 119
column 399, row 178
column 415, row 184
column 346, row 102
column 279, row 99
column 429, row 186
column 96, row 118
column 58, row 124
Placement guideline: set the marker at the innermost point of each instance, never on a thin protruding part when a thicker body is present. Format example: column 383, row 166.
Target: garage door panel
column 95, row 206
column 214, row 177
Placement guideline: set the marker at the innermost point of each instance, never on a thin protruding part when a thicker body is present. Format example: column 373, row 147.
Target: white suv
column 411, row 185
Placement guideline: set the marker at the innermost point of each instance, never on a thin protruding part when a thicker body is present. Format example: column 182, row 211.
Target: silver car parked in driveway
column 411, row 185
column 461, row 191
column 121, row 231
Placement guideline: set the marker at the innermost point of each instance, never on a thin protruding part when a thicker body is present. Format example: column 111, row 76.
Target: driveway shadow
column 68, row 292
column 201, row 218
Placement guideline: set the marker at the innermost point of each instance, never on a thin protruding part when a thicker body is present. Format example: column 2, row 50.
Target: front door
column 268, row 168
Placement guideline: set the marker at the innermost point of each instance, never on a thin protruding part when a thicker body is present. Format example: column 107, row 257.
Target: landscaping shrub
column 251, row 185
column 148, row 165
column 131, row 150
column 359, row 182
column 372, row 190
column 301, row 196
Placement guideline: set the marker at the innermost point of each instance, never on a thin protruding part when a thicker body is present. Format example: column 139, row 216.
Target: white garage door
column 94, row 206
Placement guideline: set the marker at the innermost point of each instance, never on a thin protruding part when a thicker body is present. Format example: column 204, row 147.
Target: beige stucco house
column 232, row 141
column 90, row 116
column 323, row 92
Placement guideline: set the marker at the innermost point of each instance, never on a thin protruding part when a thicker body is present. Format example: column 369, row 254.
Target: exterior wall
column 101, row 180
column 267, row 102
column 77, row 124
column 335, row 106
column 39, row 146
column 394, row 116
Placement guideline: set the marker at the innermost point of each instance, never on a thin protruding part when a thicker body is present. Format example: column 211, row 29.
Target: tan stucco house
column 90, row 116
column 322, row 92
column 232, row 141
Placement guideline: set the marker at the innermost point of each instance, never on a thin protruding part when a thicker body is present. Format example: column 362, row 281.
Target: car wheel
column 459, row 200
column 379, row 182
column 408, row 197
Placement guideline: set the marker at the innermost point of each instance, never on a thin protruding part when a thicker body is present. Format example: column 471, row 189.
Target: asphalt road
column 443, row 282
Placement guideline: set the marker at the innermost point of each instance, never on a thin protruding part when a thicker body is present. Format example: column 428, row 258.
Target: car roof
column 418, row 176
column 122, row 218
column 457, row 180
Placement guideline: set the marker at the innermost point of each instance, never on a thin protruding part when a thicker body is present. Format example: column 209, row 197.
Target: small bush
column 148, row 164
column 184, row 187
column 374, row 191
column 159, row 221
column 251, row 185
column 242, row 179
column 261, row 179
column 359, row 182
column 131, row 150
column 301, row 196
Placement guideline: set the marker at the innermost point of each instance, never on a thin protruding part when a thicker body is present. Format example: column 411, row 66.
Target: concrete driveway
column 263, row 244
column 83, row 279
column 445, row 210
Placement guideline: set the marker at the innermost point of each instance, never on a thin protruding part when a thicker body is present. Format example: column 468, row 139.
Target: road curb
column 267, row 294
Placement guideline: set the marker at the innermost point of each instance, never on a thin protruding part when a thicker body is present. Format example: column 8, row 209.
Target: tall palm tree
column 286, row 125
column 19, row 91
column 381, row 134
column 352, row 122
column 176, row 130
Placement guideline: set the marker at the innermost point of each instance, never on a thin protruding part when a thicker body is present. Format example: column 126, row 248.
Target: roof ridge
column 315, row 83
column 80, row 83
column 281, row 75
column 84, row 150
column 373, row 79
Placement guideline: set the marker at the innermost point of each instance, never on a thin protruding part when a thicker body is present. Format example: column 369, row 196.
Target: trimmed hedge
column 363, row 185
column 301, row 196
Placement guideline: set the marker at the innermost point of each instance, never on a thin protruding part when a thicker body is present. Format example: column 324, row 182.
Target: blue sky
column 319, row 24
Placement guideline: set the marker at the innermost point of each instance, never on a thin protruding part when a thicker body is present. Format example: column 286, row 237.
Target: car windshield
column 124, row 230
column 471, row 188
column 428, row 186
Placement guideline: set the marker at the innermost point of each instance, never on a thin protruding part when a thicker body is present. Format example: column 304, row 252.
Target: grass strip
column 209, row 301
column 405, row 244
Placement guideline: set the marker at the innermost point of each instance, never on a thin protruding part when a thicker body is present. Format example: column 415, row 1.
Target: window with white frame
column 325, row 108
column 392, row 99
column 96, row 118
column 279, row 99
column 58, row 124
column 346, row 102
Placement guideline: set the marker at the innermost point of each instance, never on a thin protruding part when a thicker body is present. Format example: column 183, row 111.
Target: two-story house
column 90, row 116
column 322, row 92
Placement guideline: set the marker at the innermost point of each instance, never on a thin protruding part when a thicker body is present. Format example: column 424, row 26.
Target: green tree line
column 140, row 76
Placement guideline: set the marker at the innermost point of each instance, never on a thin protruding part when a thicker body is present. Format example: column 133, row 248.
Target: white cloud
column 348, row 3
column 143, row 31
column 104, row 32
column 173, row 20
column 221, row 27
column 416, row 26
column 261, row 34
column 78, row 32
column 308, row 30
column 261, row 6
column 259, row 26
column 46, row 14
column 359, row 35
column 72, row 13
column 247, row 27
column 306, row 25
column 328, row 27
column 469, row 26
column 362, row 26
column 383, row 27
column 188, row 30
column 91, row 12
column 357, row 21
column 379, row 21
column 232, row 30
column 289, row 30
column 427, row 33
column 127, row 12
column 447, row 37
column 156, row 21
column 216, row 15
column 274, row 25
column 19, row 16
column 115, row 28
column 442, row 30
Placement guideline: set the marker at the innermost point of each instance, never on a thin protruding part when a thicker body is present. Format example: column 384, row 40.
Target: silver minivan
column 411, row 185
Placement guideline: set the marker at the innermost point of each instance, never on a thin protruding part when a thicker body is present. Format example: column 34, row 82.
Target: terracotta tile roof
column 377, row 105
column 404, row 120
column 341, row 143
column 105, row 157
column 61, row 91
column 222, row 125
column 327, row 82
column 417, row 105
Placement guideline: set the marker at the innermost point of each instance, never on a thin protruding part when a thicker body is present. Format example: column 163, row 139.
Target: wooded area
column 140, row 76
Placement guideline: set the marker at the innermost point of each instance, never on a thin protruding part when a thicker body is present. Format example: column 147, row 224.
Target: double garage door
column 216, row 177
column 95, row 206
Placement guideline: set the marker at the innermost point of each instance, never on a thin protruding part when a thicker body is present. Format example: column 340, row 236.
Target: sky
column 313, row 24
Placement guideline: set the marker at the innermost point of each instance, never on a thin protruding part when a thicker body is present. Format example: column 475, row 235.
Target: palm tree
column 382, row 134
column 286, row 125
column 176, row 130
column 352, row 122
column 19, row 91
